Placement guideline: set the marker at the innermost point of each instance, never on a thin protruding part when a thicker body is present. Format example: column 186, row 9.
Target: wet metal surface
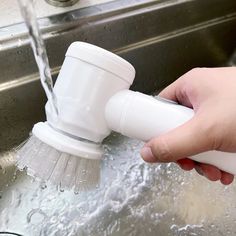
column 162, row 39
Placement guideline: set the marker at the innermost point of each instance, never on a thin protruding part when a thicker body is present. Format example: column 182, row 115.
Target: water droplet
column 36, row 216
column 43, row 186
column 19, row 43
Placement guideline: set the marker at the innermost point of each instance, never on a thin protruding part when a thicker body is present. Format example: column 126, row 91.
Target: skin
column 211, row 92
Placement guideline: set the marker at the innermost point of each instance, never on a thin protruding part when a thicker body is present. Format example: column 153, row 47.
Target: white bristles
column 64, row 170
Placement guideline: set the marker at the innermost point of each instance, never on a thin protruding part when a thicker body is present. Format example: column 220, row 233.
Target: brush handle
column 143, row 117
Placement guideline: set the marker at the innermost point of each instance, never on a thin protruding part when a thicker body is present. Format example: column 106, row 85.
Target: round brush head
column 88, row 78
column 66, row 161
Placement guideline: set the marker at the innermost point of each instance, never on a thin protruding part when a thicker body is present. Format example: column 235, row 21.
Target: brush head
column 66, row 149
column 43, row 158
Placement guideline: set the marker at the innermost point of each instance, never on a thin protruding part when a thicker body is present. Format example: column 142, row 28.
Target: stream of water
column 40, row 54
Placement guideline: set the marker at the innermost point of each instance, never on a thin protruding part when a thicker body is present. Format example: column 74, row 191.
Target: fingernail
column 147, row 155
column 199, row 170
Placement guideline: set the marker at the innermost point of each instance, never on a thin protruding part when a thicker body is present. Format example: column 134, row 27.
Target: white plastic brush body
column 143, row 117
column 93, row 99
column 66, row 149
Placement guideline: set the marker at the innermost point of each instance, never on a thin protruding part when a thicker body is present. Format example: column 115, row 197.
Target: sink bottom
column 134, row 198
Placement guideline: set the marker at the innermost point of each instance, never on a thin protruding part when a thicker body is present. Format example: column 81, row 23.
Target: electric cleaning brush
column 93, row 98
column 66, row 149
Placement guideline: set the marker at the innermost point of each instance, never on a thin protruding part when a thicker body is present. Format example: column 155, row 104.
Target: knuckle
column 190, row 80
column 195, row 73
column 198, row 71
column 161, row 150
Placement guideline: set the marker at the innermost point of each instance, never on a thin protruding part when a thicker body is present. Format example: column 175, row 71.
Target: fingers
column 147, row 155
column 202, row 133
column 226, row 178
column 184, row 141
column 210, row 172
column 178, row 91
column 170, row 91
column 213, row 173
column 186, row 164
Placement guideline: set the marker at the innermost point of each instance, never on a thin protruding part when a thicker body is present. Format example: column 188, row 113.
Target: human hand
column 211, row 92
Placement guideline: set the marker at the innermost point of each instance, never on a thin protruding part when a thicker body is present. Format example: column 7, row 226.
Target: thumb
column 186, row 140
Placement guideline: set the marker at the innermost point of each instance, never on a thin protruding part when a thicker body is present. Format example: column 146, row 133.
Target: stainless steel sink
column 162, row 39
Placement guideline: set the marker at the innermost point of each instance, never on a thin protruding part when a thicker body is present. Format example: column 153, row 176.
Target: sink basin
column 162, row 39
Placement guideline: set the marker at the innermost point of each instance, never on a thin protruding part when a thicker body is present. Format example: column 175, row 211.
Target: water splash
column 37, row 43
column 134, row 199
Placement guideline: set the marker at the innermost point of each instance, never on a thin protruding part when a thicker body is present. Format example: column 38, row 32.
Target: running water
column 37, row 43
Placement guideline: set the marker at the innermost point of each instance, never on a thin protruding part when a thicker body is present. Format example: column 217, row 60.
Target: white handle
column 143, row 117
